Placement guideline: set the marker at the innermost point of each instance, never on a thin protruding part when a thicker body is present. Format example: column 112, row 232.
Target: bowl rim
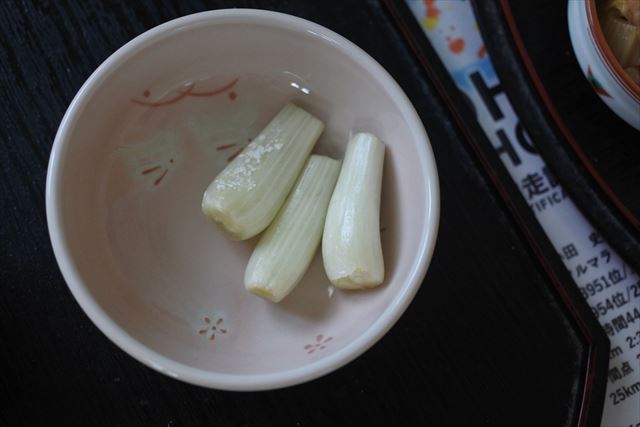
column 174, row 368
column 606, row 54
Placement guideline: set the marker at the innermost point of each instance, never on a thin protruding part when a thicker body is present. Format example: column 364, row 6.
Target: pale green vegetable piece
column 351, row 247
column 245, row 197
column 286, row 249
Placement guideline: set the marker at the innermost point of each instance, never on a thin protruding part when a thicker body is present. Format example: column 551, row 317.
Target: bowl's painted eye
column 146, row 93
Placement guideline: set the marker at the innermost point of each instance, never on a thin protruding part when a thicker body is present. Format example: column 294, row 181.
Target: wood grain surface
column 484, row 342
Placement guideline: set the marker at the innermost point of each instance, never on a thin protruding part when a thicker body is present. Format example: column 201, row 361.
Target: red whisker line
column 167, row 102
column 217, row 91
column 148, row 171
column 224, row 147
column 157, row 181
column 234, row 155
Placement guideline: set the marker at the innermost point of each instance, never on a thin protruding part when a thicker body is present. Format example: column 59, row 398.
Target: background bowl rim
column 174, row 368
column 606, row 54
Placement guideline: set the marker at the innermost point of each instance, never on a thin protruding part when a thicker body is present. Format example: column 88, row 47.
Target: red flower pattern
column 212, row 328
column 320, row 344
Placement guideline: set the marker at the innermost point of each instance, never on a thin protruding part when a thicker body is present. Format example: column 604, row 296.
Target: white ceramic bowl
column 597, row 62
column 142, row 140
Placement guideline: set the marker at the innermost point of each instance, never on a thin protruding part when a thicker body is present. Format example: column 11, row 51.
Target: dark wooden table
column 485, row 341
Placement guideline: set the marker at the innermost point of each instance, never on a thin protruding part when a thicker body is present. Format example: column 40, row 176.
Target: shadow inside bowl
column 313, row 298
column 389, row 226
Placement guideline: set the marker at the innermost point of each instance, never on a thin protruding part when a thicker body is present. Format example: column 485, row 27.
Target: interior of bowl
column 150, row 131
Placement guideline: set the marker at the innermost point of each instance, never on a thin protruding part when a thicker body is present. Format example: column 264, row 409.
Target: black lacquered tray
column 587, row 406
column 594, row 153
column 497, row 336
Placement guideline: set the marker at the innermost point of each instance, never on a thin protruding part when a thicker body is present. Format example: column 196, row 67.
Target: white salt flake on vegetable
column 245, row 197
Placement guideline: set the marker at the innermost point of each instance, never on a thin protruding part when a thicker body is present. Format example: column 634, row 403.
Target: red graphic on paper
column 456, row 46
column 433, row 12
column 432, row 15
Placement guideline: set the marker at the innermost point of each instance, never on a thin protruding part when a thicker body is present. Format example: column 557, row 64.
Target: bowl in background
column 138, row 146
column 599, row 65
